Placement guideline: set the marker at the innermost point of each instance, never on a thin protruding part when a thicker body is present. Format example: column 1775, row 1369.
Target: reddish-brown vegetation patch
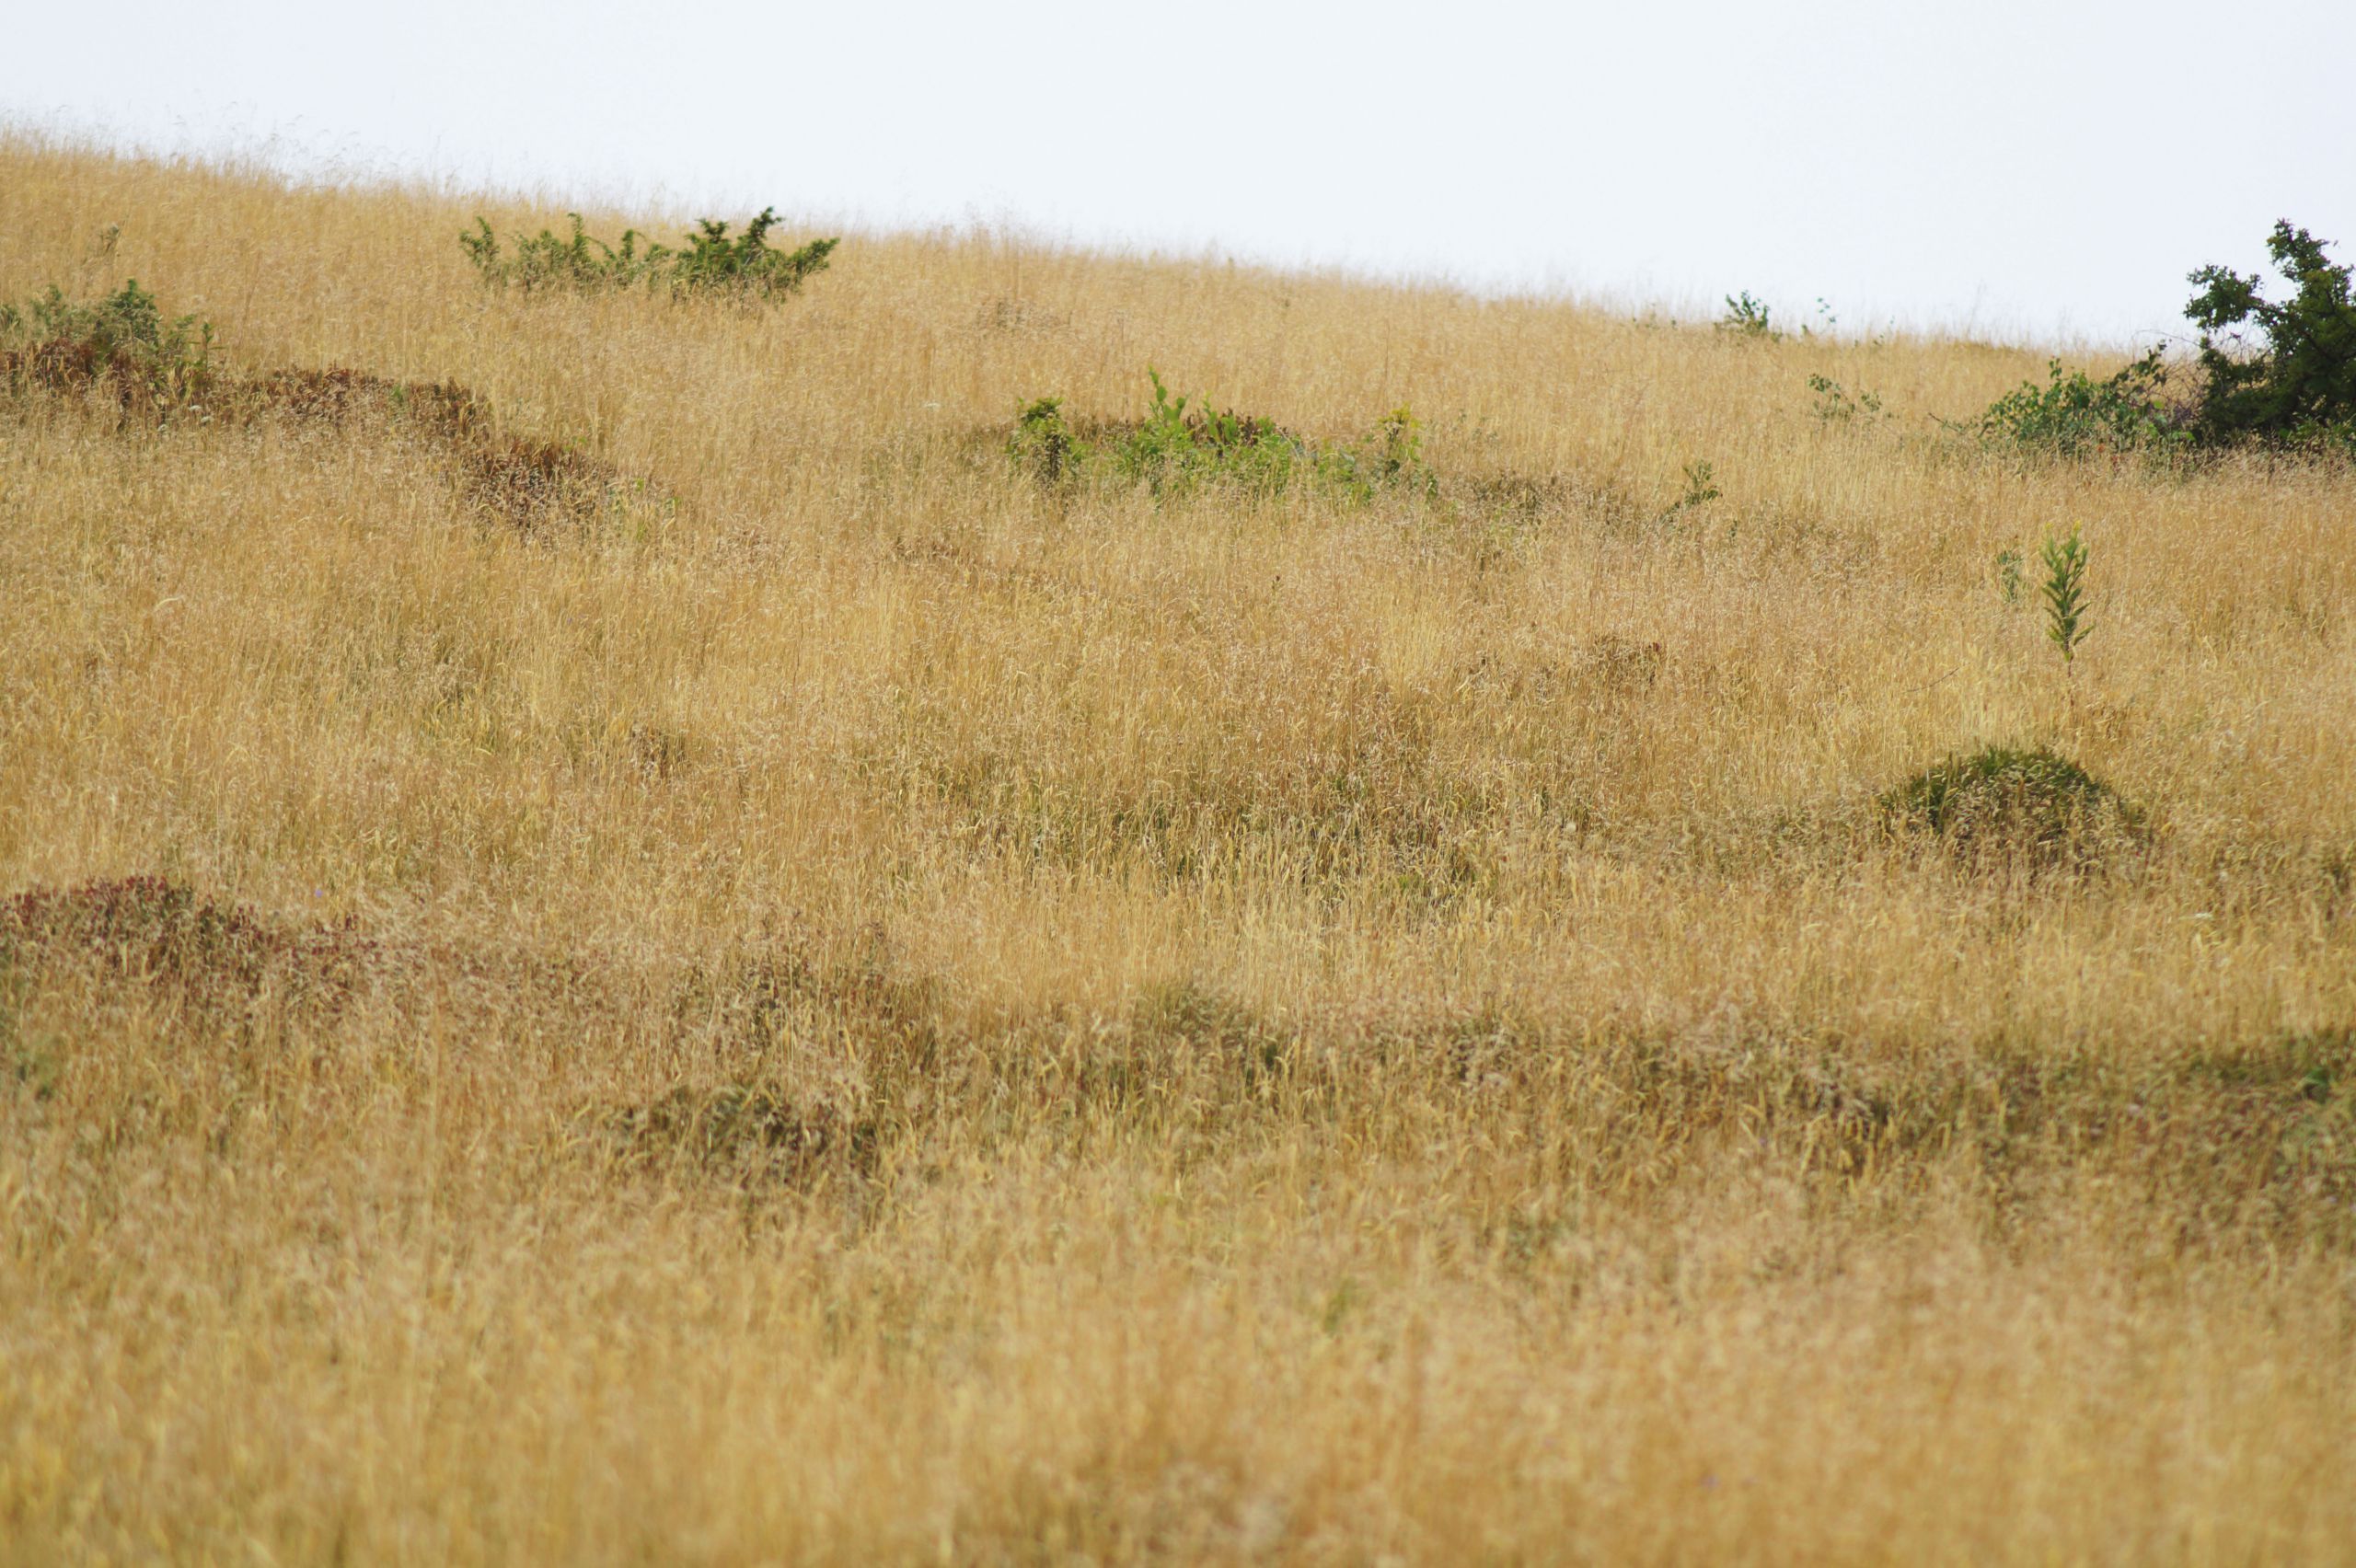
column 541, row 489
column 78, row 367
column 152, row 930
column 537, row 487
column 339, row 397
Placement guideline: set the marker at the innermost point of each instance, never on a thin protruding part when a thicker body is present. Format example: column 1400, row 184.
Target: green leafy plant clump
column 715, row 262
column 1179, row 446
column 1044, row 441
column 1836, row 405
column 122, row 341
column 2001, row 801
column 2286, row 373
column 1747, row 318
column 545, row 260
column 2075, row 415
column 2275, row 374
column 2008, row 576
column 1701, row 489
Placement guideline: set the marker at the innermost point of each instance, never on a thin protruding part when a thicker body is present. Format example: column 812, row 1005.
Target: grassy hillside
column 686, row 963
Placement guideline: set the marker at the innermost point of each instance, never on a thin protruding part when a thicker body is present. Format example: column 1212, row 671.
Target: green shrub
column 544, row 260
column 2005, row 803
column 2073, row 414
column 1396, row 455
column 1167, row 448
column 1747, row 318
column 1834, row 405
column 1701, row 489
column 2281, row 376
column 123, row 341
column 2279, row 373
column 2008, row 576
column 1178, row 447
column 1043, row 442
column 713, row 262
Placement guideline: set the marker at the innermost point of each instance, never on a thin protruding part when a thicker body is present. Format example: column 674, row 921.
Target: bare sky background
column 2017, row 169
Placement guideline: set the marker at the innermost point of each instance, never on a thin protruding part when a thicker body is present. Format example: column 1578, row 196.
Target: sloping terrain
column 697, row 948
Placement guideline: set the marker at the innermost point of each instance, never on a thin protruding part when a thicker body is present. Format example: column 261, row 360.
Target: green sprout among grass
column 2065, row 594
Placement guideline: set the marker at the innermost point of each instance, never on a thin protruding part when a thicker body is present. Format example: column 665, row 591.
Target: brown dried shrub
column 152, row 930
column 745, row 1134
column 541, row 489
column 537, row 487
column 339, row 397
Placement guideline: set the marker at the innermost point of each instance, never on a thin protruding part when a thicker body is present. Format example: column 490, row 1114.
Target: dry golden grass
column 857, row 1007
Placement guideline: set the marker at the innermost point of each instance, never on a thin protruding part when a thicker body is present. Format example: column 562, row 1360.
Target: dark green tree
column 2278, row 372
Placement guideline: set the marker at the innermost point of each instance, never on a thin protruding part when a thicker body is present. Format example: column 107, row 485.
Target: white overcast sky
column 2044, row 168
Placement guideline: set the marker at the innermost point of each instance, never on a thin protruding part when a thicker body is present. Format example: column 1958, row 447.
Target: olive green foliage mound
column 1183, row 445
column 2001, row 801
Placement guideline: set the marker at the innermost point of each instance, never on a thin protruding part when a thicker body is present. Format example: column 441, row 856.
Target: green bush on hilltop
column 2280, row 375
column 715, row 262
column 2075, row 414
column 1748, row 317
column 2296, row 383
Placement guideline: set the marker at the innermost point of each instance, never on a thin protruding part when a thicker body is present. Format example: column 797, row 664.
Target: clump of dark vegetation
column 123, row 350
column 714, row 262
column 2283, row 373
column 1233, row 1037
column 2002, row 803
column 339, row 399
column 121, row 346
column 1179, row 446
column 160, row 932
column 2009, row 577
column 746, row 1134
column 2280, row 377
column 1044, row 441
column 541, row 489
column 1701, row 489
